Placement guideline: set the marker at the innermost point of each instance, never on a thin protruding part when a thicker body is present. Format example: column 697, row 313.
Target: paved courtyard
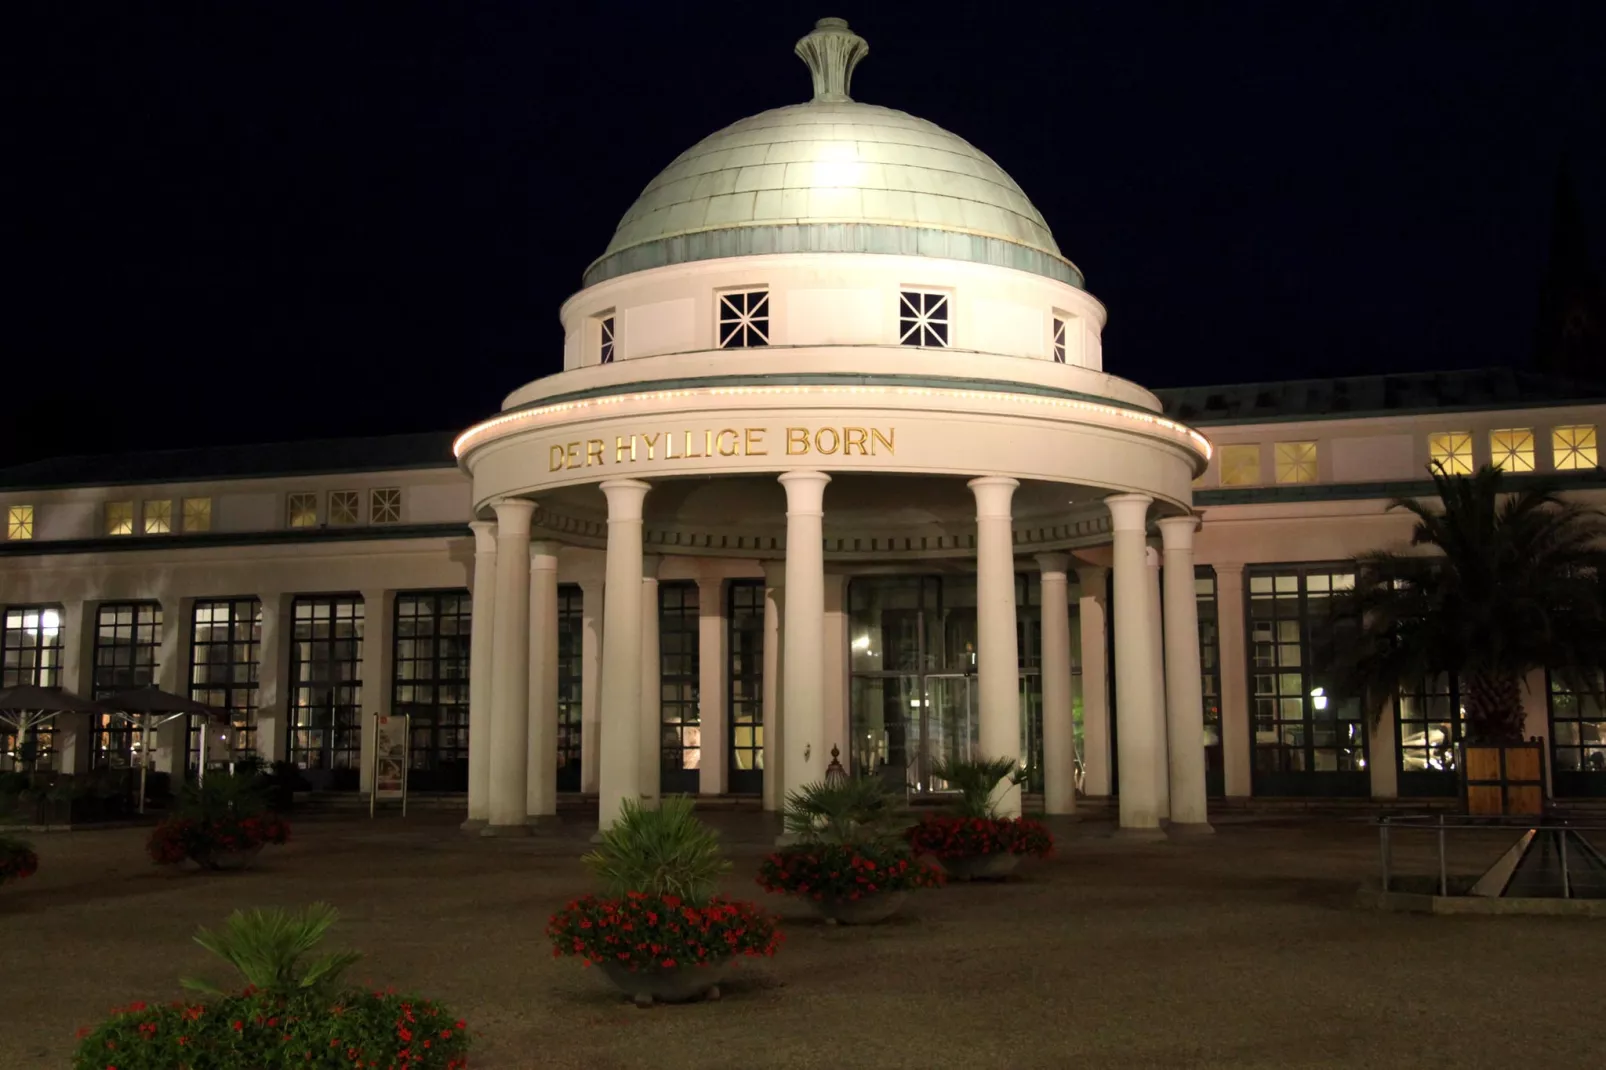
column 1238, row 950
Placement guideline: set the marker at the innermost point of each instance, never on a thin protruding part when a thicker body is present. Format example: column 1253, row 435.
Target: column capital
column 1129, row 512
column 650, row 564
column 625, row 497
column 706, row 582
column 774, row 573
column 544, row 555
column 1090, row 576
column 993, row 494
column 1231, row 569
column 484, row 536
column 805, row 492
column 513, row 517
column 1176, row 532
column 1151, row 557
column 1049, row 563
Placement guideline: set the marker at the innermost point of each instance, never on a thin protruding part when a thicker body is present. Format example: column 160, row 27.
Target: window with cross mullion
column 430, row 650
column 571, row 641
column 326, row 689
column 225, row 663
column 30, row 653
column 744, row 319
column 127, row 638
column 679, row 667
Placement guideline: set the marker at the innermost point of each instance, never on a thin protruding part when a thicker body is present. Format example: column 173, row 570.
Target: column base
column 1185, row 829
column 1139, row 835
column 505, row 830
column 473, row 824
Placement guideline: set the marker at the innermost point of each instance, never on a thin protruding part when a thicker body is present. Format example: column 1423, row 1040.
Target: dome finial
column 832, row 51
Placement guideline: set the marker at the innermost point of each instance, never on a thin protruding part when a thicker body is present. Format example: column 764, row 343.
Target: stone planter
column 866, row 910
column 683, row 984
column 994, row 866
column 1503, row 780
column 227, row 859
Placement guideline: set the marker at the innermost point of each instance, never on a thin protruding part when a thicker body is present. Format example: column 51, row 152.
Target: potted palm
column 848, row 861
column 972, row 841
column 1502, row 582
column 658, row 931
column 222, row 823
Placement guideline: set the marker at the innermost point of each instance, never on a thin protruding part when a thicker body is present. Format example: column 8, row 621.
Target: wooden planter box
column 1500, row 781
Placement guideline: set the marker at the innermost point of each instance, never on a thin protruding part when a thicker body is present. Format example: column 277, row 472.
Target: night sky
column 235, row 222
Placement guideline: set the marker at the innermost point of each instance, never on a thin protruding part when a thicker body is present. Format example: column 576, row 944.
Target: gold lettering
column 594, row 448
column 753, row 438
column 885, row 440
column 855, row 436
column 797, row 440
column 819, row 439
column 572, row 460
column 650, row 441
column 555, row 459
column 669, row 447
column 723, row 452
column 687, row 451
column 619, row 448
column 708, row 443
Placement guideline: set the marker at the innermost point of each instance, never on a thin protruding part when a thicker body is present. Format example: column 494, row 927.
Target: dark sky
column 257, row 221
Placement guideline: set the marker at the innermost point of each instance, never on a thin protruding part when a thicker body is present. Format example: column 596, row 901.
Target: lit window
column 385, row 505
column 1059, row 340
column 744, row 320
column 158, row 518
column 1452, row 450
column 302, row 510
column 1512, row 449
column 197, row 514
column 119, row 518
column 19, row 522
column 1296, row 462
column 605, row 344
column 922, row 319
column 344, row 506
column 1240, row 465
column 1574, row 447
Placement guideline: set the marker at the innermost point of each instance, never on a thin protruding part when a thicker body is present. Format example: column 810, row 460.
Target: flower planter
column 682, row 984
column 238, row 859
column 995, row 866
column 866, row 910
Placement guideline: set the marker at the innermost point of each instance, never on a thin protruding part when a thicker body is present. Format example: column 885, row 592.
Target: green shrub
column 860, row 811
column 661, row 852
column 267, row 948
column 974, row 779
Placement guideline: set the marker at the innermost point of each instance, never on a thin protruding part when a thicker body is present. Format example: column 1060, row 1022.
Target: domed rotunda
column 831, row 452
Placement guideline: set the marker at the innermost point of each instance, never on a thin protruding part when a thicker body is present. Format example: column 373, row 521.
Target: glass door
column 948, row 725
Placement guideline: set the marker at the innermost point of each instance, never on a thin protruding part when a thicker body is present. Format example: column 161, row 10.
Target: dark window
column 1204, row 585
column 678, row 683
column 431, row 685
column 1059, row 340
column 1309, row 737
column 605, row 342
column 1577, row 740
column 326, row 696
column 922, row 319
column 571, row 639
column 745, row 685
column 127, row 638
column 744, row 320
column 225, row 660
column 30, row 653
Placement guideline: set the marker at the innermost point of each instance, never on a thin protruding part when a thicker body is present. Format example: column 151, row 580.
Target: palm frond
column 859, row 811
column 975, row 779
column 266, row 948
column 662, row 851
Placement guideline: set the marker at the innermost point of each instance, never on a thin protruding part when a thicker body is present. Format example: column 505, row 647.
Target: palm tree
column 1518, row 583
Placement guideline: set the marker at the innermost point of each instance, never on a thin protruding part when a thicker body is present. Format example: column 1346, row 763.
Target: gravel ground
column 1239, row 950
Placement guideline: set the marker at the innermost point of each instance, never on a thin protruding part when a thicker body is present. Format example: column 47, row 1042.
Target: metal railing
column 1441, row 825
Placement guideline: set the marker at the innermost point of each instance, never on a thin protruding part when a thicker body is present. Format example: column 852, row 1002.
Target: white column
column 1156, row 641
column 73, row 735
column 479, row 675
column 619, row 772
column 378, row 631
column 1184, row 690
column 774, row 666
column 273, row 677
column 652, row 712
column 172, row 676
column 510, row 670
column 804, row 751
column 1092, row 583
column 1137, row 700
column 1237, row 742
column 1059, row 731
column 541, row 776
column 712, row 633
column 1383, row 755
column 590, row 684
column 1536, row 719
column 997, row 652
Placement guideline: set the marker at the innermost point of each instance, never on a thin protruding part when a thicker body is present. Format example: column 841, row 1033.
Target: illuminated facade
column 833, row 466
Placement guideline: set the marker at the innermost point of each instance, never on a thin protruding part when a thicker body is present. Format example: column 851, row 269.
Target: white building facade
column 832, row 468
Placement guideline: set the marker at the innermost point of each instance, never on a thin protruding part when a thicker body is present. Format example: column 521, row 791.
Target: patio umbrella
column 150, row 707
column 25, row 707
